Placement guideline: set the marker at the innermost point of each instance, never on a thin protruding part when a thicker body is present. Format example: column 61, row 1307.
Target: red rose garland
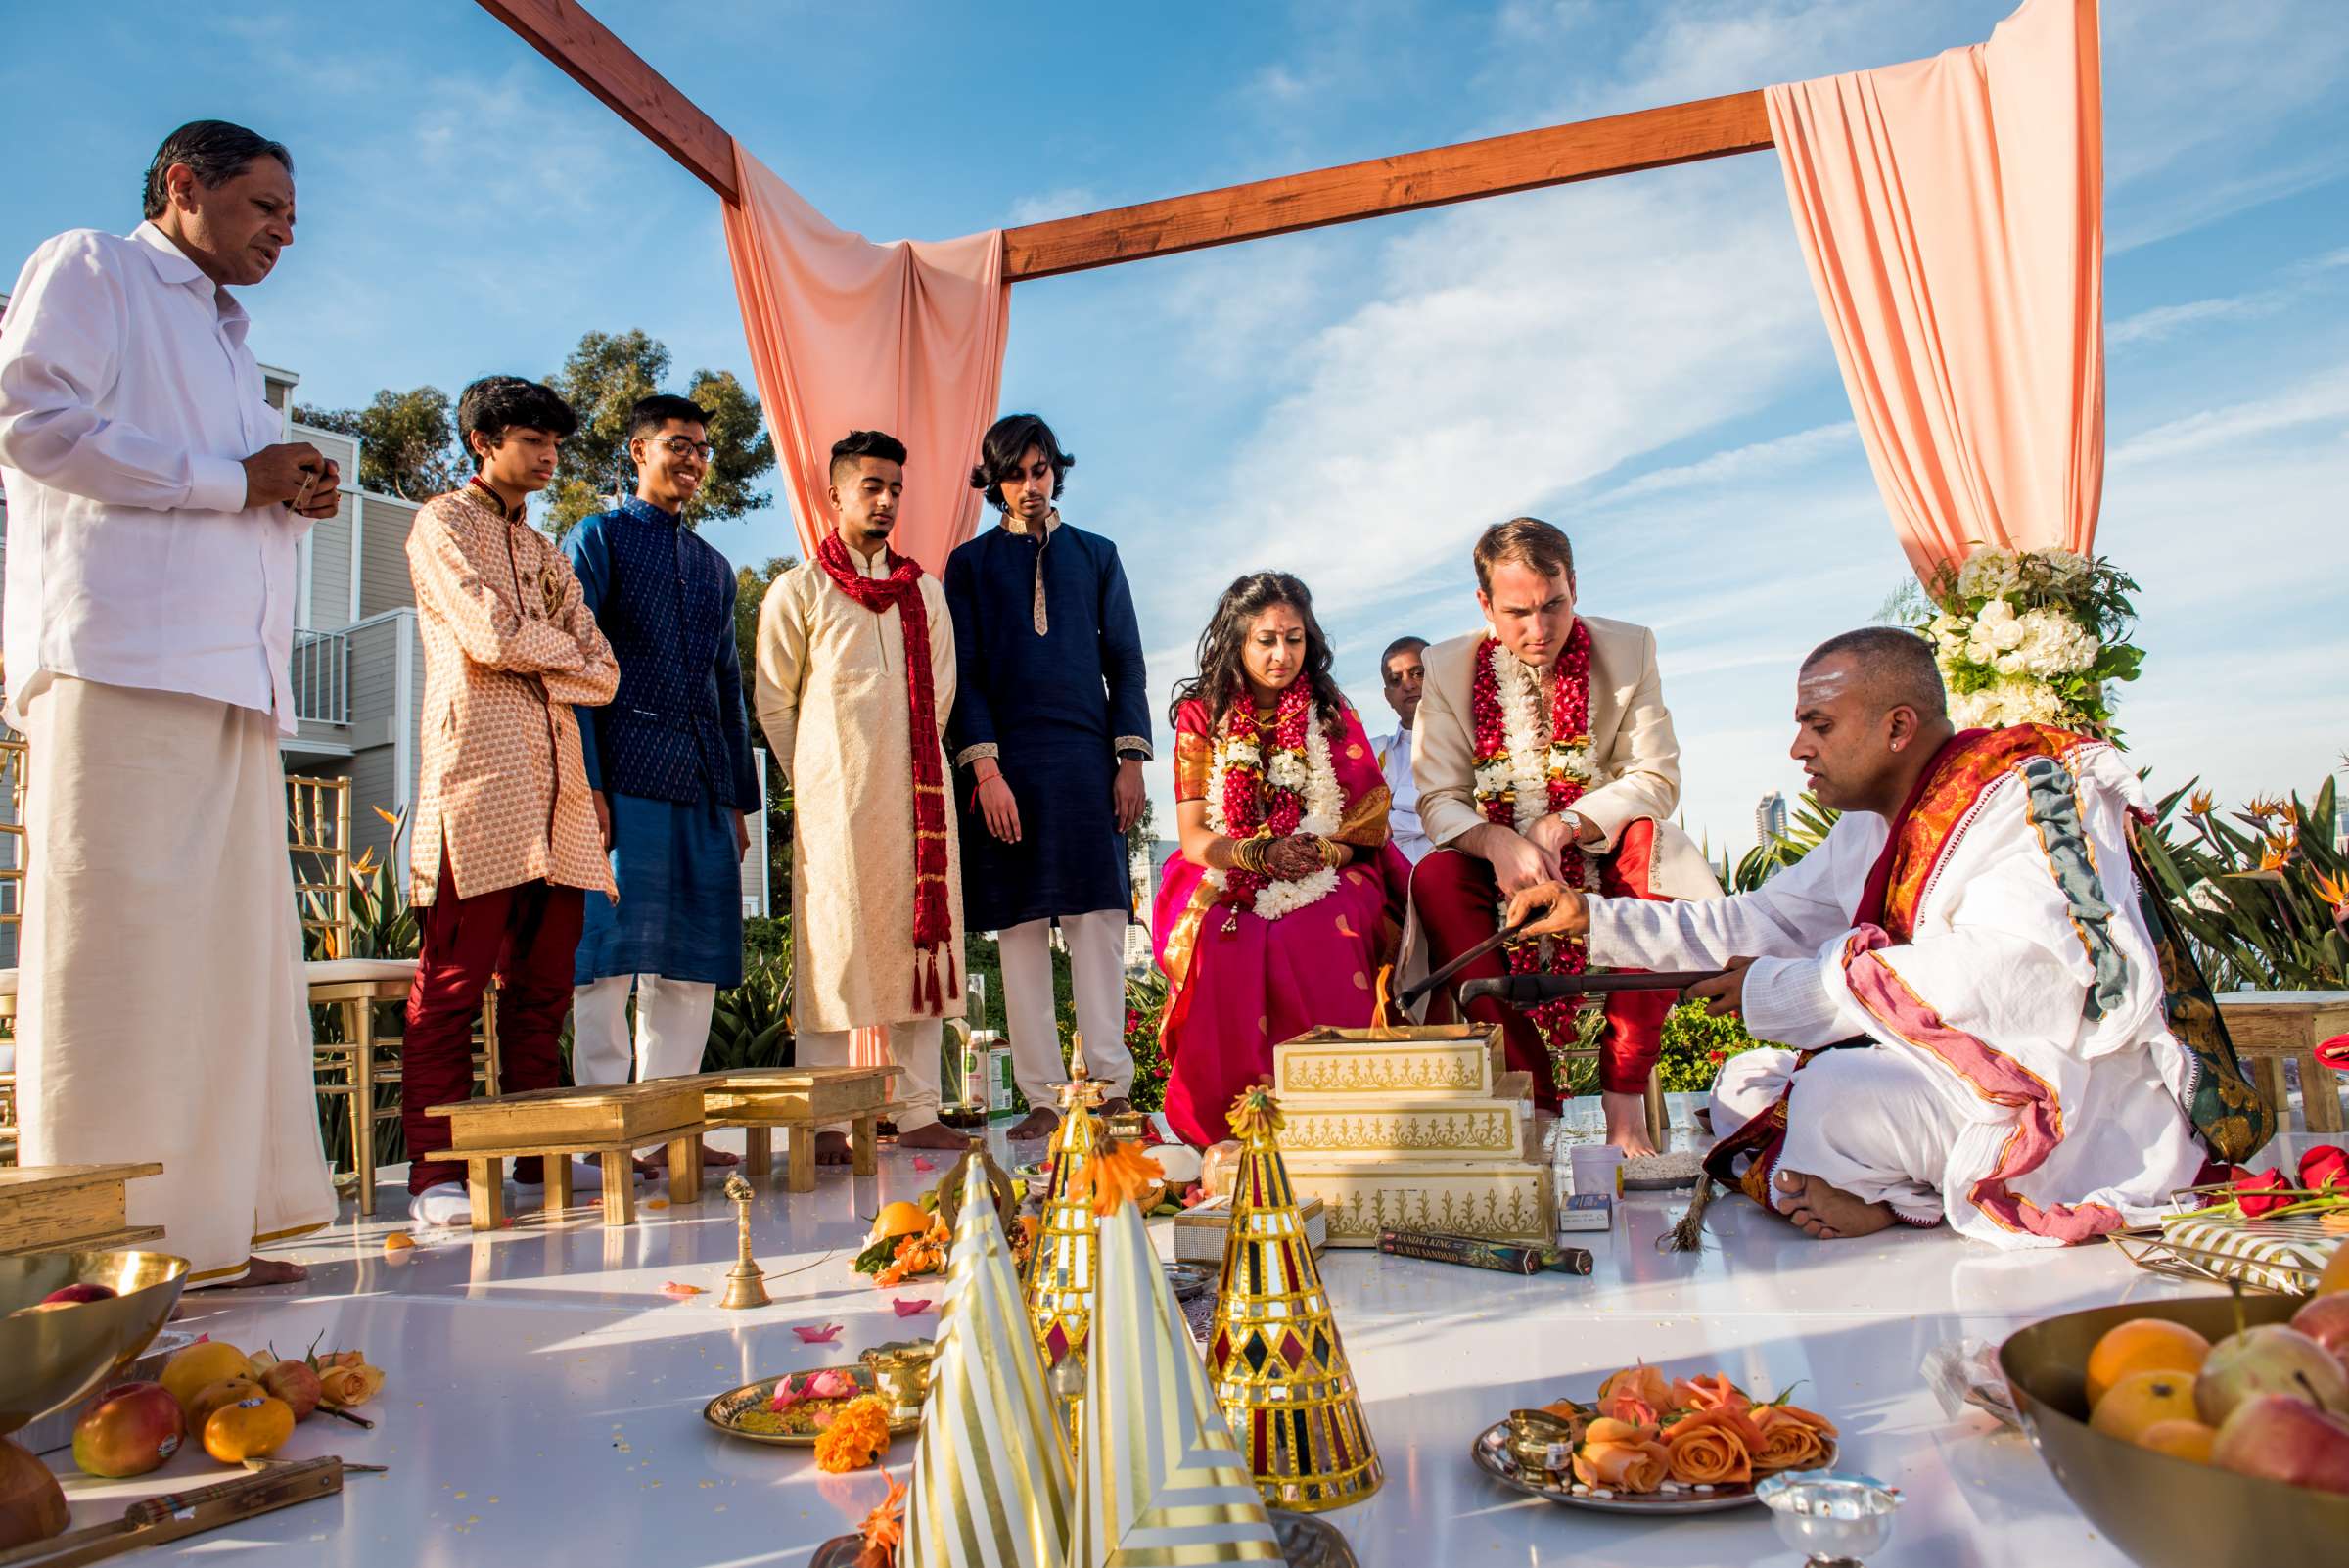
column 1569, row 727
column 1253, row 806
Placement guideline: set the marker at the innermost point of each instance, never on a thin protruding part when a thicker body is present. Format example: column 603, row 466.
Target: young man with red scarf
column 1973, row 936
column 1546, row 754
column 856, row 678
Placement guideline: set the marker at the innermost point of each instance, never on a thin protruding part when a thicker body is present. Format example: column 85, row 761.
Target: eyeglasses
column 683, row 446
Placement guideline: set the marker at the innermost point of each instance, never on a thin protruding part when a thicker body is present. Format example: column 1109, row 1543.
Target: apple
column 2269, row 1360
column 2286, row 1439
column 76, row 1294
column 295, row 1383
column 129, row 1429
column 2326, row 1319
column 33, row 1505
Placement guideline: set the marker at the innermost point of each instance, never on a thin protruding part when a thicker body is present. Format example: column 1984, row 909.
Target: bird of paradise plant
column 2264, row 900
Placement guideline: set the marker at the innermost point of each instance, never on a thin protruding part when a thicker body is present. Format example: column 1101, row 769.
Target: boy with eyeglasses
column 668, row 761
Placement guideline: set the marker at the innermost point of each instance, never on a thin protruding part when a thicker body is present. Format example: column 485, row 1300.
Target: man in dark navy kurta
column 1050, row 729
column 670, row 761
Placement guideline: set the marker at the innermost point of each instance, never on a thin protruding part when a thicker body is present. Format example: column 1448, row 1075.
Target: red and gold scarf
column 933, row 927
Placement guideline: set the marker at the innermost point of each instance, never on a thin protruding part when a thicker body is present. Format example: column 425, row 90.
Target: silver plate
column 1191, row 1280
column 1490, row 1451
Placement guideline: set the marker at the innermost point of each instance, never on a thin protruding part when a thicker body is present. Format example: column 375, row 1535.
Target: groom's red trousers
column 1458, row 906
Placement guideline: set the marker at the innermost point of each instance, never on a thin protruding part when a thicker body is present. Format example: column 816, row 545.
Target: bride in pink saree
column 1273, row 917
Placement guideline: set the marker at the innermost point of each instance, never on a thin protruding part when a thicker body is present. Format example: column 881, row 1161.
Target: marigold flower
column 858, row 1436
column 884, row 1530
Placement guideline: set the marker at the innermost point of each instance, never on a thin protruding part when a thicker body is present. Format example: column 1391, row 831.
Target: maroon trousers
column 1458, row 906
column 526, row 937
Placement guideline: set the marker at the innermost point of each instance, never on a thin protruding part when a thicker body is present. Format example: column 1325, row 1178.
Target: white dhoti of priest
column 1969, row 937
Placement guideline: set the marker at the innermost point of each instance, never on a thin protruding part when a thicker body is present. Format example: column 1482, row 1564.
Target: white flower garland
column 1322, row 809
column 2007, row 653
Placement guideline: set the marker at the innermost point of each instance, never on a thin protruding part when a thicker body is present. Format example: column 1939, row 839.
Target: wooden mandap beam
column 1591, row 149
column 591, row 56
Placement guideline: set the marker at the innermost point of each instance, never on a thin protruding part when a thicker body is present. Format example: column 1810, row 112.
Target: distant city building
column 1770, row 820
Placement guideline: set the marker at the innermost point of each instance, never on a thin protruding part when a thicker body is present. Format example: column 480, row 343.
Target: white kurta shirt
column 1403, row 804
column 127, row 400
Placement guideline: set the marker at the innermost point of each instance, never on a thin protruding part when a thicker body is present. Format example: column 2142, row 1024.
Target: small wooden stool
column 800, row 1100
column 71, row 1207
column 2270, row 1026
column 610, row 1123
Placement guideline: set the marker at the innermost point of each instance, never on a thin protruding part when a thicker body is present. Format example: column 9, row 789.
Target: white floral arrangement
column 2033, row 637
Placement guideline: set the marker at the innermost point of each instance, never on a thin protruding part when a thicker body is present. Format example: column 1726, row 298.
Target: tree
column 602, row 380
column 408, row 442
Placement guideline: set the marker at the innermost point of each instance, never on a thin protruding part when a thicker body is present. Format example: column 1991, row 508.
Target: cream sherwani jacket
column 832, row 698
column 1631, row 735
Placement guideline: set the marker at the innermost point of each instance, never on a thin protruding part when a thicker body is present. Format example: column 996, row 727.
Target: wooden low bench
column 610, row 1123
column 2270, row 1026
column 71, row 1207
column 801, row 1100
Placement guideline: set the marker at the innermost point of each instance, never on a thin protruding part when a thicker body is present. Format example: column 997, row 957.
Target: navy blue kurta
column 1055, row 709
column 671, row 751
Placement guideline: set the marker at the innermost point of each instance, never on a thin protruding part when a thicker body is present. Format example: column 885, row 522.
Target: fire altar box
column 1415, row 1128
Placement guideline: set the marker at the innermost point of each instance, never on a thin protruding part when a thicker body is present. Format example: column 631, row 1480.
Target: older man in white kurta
column 150, row 615
column 842, row 716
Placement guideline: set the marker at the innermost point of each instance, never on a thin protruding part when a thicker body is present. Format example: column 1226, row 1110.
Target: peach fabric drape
column 1952, row 214
column 849, row 335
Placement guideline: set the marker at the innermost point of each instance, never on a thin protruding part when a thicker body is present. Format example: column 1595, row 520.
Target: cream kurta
column 832, row 698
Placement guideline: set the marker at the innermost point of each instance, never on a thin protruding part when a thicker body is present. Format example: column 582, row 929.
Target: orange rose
column 349, row 1384
column 1637, row 1395
column 1621, row 1457
column 1792, row 1437
column 1712, row 1448
column 1712, row 1393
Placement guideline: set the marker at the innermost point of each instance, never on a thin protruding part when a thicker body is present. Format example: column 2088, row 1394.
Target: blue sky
column 1640, row 361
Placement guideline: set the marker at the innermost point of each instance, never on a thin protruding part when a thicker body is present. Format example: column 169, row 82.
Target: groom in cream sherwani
column 1538, row 660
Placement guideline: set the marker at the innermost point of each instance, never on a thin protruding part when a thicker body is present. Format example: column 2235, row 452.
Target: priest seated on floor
column 1962, row 968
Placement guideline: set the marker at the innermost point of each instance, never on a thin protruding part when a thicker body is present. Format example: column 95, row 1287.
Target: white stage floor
column 544, row 1398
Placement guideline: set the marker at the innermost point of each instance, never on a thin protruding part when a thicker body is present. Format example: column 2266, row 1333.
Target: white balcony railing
column 322, row 676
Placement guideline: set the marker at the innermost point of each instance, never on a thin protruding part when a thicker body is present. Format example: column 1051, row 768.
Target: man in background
column 1400, row 670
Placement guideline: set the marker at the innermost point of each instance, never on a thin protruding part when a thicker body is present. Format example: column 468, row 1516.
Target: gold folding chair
column 318, row 838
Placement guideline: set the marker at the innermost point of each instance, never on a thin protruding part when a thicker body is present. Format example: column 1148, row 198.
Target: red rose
column 2327, row 1164
column 2260, row 1193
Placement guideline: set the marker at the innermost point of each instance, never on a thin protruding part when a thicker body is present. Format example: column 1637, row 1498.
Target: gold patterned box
column 1425, row 1062
column 2286, row 1255
column 1421, row 1130
column 1497, row 1200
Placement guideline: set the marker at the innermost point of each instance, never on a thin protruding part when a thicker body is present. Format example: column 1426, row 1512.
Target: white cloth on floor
column 441, row 1207
column 162, row 1012
column 673, row 1027
column 2036, row 1021
column 1096, row 973
column 913, row 1048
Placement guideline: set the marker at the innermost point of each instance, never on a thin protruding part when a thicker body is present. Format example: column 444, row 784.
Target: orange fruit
column 2180, row 1440
column 900, row 1218
column 198, row 1367
column 247, row 1429
column 2143, row 1398
column 228, row 1391
column 2142, row 1344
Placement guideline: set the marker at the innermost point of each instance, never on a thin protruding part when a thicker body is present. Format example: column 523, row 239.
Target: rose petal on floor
column 911, row 1308
column 811, row 1334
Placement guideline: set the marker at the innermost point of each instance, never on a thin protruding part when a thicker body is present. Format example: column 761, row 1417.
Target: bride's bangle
column 1333, row 853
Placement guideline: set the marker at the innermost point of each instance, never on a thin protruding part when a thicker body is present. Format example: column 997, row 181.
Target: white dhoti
column 913, row 1048
column 1862, row 1120
column 162, row 1011
column 673, row 1027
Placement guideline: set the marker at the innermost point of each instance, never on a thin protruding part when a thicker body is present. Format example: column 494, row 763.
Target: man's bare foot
column 831, row 1148
column 1121, row 1106
column 1039, row 1122
column 658, row 1160
column 933, row 1134
column 1828, row 1212
column 261, row 1271
column 1627, row 1123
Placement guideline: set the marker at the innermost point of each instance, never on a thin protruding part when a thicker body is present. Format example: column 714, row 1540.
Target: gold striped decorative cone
column 990, row 1472
column 1062, row 1264
column 1274, row 1357
column 1159, row 1482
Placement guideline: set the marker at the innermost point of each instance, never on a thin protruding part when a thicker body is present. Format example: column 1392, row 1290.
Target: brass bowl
column 50, row 1360
column 2163, row 1512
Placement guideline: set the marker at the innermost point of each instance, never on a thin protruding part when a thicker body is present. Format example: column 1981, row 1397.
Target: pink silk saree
column 1236, row 984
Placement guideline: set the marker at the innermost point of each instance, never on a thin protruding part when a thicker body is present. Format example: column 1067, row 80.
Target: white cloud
column 1742, row 463
column 2161, row 321
column 1068, row 201
column 2319, row 399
